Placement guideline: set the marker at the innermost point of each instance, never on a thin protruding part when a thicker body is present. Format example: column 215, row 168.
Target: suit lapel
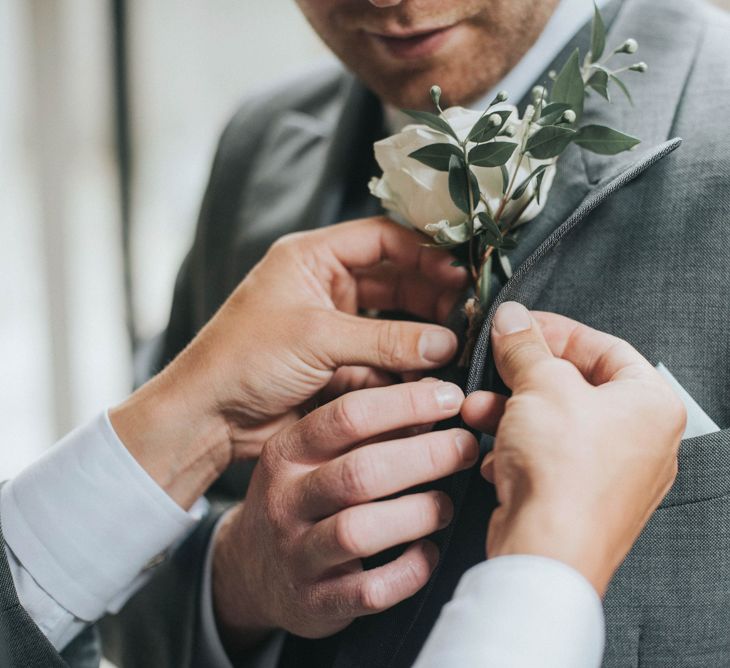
column 657, row 93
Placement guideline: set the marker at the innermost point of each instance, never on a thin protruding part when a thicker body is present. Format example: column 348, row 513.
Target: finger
column 483, row 411
column 600, row 357
column 352, row 378
column 364, row 243
column 386, row 287
column 353, row 418
column 379, row 470
column 487, row 468
column 365, row 530
column 518, row 345
column 391, row 345
column 375, row 590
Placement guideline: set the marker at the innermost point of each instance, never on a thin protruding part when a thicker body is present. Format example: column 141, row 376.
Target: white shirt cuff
column 519, row 612
column 86, row 518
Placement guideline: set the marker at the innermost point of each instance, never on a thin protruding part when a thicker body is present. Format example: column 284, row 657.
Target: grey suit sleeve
column 22, row 643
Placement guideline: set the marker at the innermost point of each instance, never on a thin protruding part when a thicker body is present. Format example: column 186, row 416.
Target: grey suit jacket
column 636, row 245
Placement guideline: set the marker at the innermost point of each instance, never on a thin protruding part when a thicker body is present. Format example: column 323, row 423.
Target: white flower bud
column 495, row 120
column 639, row 67
column 502, row 96
column 569, row 116
column 629, row 46
column 539, row 93
column 436, row 94
column 552, row 75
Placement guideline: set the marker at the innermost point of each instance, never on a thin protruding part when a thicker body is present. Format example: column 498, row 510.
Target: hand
column 279, row 340
column 586, row 447
column 289, row 556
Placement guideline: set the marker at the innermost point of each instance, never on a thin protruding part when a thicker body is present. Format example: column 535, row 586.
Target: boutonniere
column 470, row 179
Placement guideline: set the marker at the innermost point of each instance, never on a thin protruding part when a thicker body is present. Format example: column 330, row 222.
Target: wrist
column 182, row 445
column 541, row 529
column 241, row 621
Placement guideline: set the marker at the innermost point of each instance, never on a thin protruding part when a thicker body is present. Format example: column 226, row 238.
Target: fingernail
column 467, row 447
column 431, row 552
column 437, row 345
column 445, row 509
column 449, row 397
column 511, row 318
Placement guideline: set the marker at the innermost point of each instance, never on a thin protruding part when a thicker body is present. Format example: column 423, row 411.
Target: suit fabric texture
column 635, row 244
column 23, row 644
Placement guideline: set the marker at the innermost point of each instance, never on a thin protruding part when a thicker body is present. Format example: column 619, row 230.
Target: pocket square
column 698, row 422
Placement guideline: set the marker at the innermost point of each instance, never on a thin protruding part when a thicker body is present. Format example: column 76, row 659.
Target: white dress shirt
column 83, row 522
column 81, row 527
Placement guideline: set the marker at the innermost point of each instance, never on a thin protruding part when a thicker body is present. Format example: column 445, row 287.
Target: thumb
column 391, row 345
column 518, row 345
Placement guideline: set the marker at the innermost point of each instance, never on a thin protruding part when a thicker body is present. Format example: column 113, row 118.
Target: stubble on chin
column 494, row 41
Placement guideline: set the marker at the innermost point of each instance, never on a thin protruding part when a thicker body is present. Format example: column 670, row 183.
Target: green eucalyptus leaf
column 491, row 229
column 436, row 155
column 458, row 184
column 538, row 186
column 484, row 131
column 623, row 88
column 505, row 179
column 507, row 244
column 603, row 140
column 569, row 86
column 553, row 112
column 474, row 188
column 520, row 190
column 432, row 120
column 598, row 35
column 485, row 282
column 549, row 142
column 599, row 83
column 493, row 154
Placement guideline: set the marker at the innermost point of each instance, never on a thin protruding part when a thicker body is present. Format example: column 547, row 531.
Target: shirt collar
column 567, row 19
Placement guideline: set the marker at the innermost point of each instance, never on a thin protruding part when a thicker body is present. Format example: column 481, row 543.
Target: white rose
column 419, row 195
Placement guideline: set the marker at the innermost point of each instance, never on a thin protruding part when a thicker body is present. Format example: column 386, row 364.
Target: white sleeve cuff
column 519, row 612
column 85, row 519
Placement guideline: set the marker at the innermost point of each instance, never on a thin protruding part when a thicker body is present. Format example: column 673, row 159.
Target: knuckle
column 350, row 416
column 372, row 593
column 437, row 455
column 392, row 349
column 346, row 535
column 356, row 475
column 413, row 400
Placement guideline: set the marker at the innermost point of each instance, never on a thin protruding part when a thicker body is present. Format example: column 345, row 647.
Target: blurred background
column 109, row 116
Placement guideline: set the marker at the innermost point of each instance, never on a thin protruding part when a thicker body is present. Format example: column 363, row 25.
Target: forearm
column 180, row 441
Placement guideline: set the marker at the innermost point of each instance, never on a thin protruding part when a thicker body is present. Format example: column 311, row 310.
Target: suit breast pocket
column 668, row 605
column 704, row 470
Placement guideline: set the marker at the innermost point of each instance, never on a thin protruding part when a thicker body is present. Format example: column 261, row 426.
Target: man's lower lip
column 419, row 46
